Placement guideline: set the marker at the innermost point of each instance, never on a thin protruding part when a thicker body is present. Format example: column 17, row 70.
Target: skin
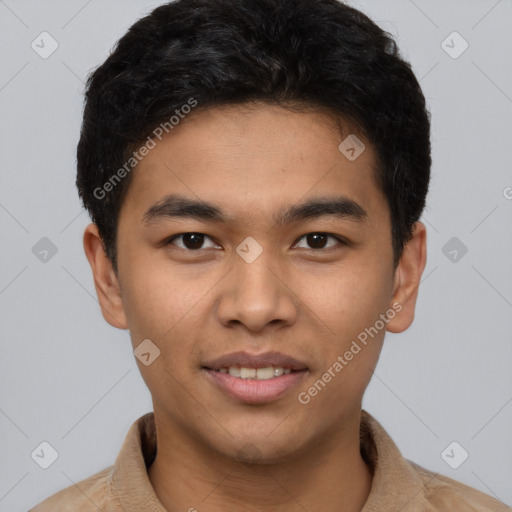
column 310, row 303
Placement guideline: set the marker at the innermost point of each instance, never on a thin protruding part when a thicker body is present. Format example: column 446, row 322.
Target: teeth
column 265, row 373
column 259, row 374
column 234, row 371
column 247, row 373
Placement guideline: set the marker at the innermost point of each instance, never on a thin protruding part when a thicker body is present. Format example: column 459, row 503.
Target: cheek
column 349, row 298
column 167, row 313
column 157, row 300
column 355, row 306
column 168, row 309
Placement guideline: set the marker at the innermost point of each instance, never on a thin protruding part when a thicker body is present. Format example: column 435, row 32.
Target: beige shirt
column 398, row 484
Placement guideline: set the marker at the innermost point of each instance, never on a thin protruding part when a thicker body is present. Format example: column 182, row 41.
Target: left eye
column 319, row 240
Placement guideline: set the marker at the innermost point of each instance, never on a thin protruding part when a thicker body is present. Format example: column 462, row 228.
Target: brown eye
column 319, row 240
column 190, row 241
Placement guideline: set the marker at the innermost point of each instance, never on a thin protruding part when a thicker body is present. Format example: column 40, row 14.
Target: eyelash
column 341, row 240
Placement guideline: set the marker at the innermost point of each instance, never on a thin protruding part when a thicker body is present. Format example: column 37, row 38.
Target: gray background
column 70, row 379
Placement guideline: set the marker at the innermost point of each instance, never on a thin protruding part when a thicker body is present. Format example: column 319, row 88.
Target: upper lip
column 244, row 359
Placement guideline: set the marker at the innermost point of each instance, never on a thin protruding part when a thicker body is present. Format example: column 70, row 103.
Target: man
column 255, row 171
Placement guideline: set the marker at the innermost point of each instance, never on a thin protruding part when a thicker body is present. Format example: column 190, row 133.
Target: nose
column 256, row 295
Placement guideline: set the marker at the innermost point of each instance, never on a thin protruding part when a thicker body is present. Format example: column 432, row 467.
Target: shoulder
column 444, row 493
column 91, row 494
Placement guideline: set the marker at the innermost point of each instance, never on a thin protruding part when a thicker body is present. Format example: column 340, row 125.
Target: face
column 244, row 233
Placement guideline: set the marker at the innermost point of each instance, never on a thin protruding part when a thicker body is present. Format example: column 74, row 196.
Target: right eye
column 189, row 241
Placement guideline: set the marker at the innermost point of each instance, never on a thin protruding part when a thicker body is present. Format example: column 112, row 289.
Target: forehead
column 256, row 156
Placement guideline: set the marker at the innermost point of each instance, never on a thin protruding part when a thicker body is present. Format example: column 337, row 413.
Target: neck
column 329, row 476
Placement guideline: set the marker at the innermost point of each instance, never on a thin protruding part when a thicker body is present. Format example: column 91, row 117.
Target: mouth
column 266, row 373
column 255, row 379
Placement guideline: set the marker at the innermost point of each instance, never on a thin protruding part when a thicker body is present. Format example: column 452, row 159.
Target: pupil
column 317, row 240
column 193, row 240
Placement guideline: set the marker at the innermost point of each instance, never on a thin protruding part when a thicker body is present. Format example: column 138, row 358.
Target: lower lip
column 253, row 391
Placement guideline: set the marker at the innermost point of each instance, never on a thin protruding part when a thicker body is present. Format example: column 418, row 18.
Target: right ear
column 105, row 279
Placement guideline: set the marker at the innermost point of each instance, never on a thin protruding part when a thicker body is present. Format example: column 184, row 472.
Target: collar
column 396, row 483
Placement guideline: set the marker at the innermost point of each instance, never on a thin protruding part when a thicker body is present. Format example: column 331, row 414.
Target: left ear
column 407, row 279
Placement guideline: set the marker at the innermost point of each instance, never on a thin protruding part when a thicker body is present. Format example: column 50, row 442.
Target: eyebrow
column 178, row 206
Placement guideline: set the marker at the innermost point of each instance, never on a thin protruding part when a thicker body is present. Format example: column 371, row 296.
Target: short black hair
column 318, row 53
